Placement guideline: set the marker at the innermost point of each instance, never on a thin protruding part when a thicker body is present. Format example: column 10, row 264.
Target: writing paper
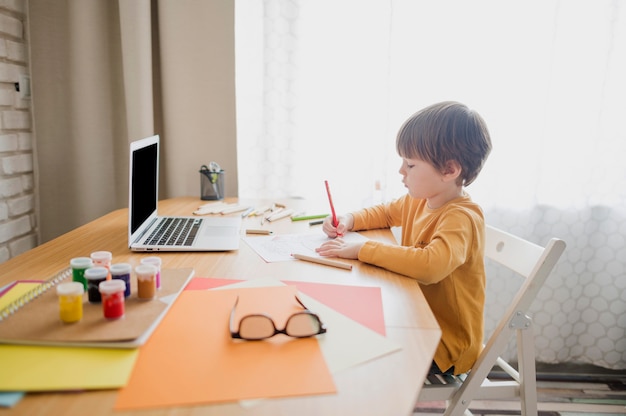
column 280, row 247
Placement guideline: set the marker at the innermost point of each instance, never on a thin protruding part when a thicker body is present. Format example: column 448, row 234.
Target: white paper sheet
column 280, row 247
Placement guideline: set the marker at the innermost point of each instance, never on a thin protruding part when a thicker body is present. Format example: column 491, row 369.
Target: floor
column 563, row 390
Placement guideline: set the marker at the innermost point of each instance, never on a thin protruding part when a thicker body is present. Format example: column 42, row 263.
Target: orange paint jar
column 146, row 281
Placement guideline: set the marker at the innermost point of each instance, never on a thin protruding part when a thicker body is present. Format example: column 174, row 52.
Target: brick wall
column 17, row 198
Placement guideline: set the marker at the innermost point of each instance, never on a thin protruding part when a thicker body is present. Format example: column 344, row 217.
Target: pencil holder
column 211, row 183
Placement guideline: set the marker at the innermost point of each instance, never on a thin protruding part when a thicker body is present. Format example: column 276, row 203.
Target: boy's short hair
column 446, row 131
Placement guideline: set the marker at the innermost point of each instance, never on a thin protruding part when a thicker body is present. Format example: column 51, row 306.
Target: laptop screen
column 144, row 182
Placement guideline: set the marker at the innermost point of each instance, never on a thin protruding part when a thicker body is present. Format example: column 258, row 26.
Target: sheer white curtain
column 323, row 86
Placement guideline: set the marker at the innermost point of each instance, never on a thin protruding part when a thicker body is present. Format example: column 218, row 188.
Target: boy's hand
column 339, row 248
column 345, row 225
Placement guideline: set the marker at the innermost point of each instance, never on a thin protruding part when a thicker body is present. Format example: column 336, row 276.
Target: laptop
column 147, row 231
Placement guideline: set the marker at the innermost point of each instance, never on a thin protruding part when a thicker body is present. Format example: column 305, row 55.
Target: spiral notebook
column 33, row 318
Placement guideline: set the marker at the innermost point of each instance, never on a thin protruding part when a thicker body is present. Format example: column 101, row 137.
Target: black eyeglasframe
column 237, row 335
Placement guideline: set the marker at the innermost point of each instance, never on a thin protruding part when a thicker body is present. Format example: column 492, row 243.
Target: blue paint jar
column 122, row 271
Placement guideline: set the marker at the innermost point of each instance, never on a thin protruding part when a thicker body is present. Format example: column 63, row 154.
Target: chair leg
column 466, row 412
column 527, row 371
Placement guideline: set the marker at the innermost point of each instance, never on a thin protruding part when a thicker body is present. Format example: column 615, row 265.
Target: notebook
column 32, row 318
column 147, row 231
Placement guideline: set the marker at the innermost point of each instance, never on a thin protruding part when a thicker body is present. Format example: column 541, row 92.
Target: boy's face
column 421, row 178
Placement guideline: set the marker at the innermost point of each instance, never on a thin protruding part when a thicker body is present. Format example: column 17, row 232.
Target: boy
column 443, row 148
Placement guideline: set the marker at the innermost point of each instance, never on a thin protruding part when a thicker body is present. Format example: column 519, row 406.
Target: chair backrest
column 534, row 263
column 531, row 261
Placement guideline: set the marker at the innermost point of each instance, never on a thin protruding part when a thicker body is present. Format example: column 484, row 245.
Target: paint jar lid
column 70, row 288
column 112, row 286
column 101, row 255
column 81, row 262
column 154, row 260
column 145, row 271
column 95, row 273
column 121, row 268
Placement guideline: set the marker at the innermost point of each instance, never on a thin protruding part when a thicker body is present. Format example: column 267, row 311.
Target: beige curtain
column 105, row 73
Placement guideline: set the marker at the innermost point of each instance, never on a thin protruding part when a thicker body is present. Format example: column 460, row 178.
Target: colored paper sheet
column 203, row 283
column 10, row 398
column 40, row 368
column 359, row 303
column 348, row 344
column 191, row 359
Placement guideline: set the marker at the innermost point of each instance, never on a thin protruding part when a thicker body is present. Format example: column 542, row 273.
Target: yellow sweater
column 443, row 249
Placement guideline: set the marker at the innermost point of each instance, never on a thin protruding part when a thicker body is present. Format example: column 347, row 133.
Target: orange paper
column 191, row 359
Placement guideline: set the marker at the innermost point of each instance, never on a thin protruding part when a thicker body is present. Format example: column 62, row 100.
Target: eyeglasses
column 256, row 327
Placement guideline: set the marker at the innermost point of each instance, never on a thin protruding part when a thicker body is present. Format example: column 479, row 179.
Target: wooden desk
column 385, row 386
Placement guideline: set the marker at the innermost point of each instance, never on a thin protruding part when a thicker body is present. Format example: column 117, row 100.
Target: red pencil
column 332, row 206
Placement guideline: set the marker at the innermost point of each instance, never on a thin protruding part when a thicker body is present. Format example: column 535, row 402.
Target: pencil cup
column 211, row 184
column 112, row 292
column 79, row 265
column 121, row 271
column 146, row 281
column 156, row 262
column 70, row 301
column 94, row 276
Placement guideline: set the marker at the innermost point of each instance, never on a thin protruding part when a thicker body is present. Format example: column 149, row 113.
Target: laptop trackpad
column 221, row 227
column 217, row 231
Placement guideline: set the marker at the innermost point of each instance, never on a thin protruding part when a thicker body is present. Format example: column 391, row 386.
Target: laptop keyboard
column 175, row 232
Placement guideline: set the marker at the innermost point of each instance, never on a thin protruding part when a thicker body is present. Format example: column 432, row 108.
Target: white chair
column 534, row 263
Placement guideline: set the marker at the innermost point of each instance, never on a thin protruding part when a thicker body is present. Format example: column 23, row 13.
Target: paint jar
column 94, row 276
column 102, row 258
column 112, row 292
column 156, row 262
column 146, row 281
column 121, row 271
column 70, row 301
column 79, row 265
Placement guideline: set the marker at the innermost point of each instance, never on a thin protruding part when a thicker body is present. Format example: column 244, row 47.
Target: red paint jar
column 112, row 293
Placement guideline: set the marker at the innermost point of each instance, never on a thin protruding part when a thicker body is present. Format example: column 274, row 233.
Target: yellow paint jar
column 70, row 301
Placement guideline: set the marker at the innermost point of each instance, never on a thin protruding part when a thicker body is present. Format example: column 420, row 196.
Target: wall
column 18, row 228
column 197, row 64
column 97, row 86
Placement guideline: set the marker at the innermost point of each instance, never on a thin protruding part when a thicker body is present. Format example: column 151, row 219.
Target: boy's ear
column 452, row 170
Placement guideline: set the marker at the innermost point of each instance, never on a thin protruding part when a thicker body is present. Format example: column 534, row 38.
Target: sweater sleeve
column 379, row 216
column 431, row 258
